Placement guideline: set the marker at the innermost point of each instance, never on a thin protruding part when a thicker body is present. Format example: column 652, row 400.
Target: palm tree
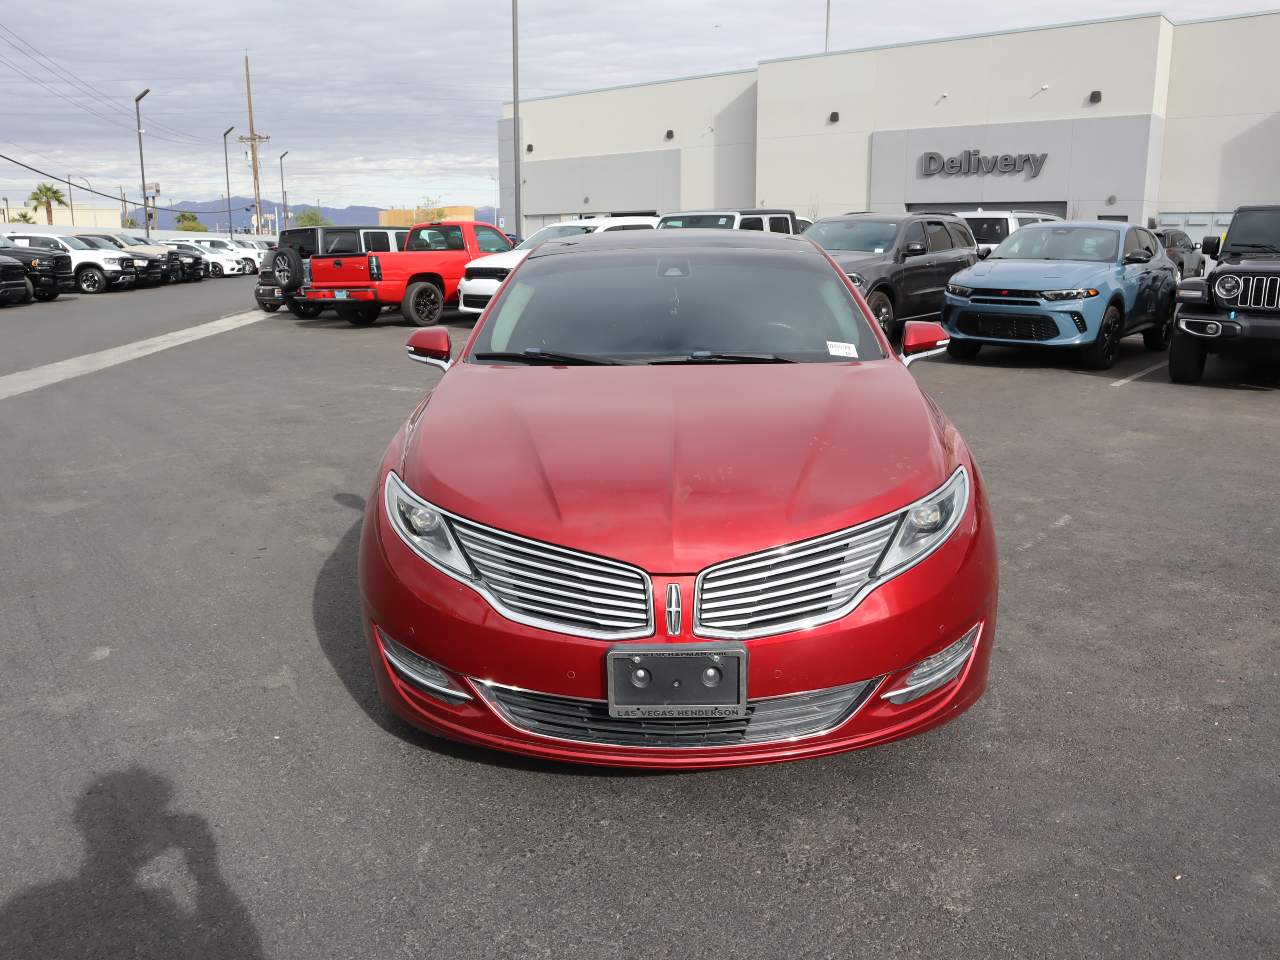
column 46, row 195
column 23, row 217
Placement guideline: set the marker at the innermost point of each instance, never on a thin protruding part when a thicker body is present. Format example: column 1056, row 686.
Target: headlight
column 422, row 527
column 958, row 291
column 926, row 525
column 111, row 261
column 857, row 280
column 35, row 264
column 1082, row 294
column 188, row 259
column 1227, row 287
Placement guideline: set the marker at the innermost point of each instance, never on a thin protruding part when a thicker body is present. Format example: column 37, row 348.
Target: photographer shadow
column 107, row 909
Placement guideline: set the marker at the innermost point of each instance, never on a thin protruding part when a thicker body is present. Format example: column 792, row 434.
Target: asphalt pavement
column 195, row 762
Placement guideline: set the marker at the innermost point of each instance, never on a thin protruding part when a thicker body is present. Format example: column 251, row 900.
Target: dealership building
column 1132, row 118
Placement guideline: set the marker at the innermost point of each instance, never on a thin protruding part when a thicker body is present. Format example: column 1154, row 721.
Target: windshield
column 7, row 244
column 129, row 241
column 1254, row 230
column 644, row 305
column 991, row 230
column 75, row 243
column 699, row 221
column 1093, row 244
column 868, row 236
column 553, row 232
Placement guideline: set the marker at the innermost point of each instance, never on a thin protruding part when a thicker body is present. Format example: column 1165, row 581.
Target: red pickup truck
column 420, row 280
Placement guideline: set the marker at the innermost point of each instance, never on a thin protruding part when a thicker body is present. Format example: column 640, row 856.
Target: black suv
column 901, row 262
column 13, row 281
column 1183, row 252
column 48, row 274
column 286, row 270
column 1238, row 304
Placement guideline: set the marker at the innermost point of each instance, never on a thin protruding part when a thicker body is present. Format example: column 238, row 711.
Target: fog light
column 421, row 672
column 935, row 671
column 1212, row 328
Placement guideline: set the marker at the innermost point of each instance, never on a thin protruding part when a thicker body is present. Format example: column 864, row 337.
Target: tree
column 312, row 217
column 130, row 223
column 23, row 217
column 429, row 210
column 46, row 195
column 189, row 221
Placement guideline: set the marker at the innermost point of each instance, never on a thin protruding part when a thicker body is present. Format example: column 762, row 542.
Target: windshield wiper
column 706, row 356
column 1268, row 247
column 547, row 357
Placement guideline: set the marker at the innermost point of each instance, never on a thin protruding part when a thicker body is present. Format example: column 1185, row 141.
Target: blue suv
column 1071, row 284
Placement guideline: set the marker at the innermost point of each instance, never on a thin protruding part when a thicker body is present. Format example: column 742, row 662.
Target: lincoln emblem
column 673, row 609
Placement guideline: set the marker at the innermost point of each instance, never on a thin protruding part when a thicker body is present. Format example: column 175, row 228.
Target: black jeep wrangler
column 286, row 270
column 1237, row 306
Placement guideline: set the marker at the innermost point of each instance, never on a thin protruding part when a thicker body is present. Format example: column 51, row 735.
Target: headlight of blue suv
column 857, row 279
column 1081, row 294
column 422, row 527
column 956, row 290
column 926, row 525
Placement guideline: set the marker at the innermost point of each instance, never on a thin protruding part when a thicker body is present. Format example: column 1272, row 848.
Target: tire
column 288, row 268
column 91, row 280
column 303, row 310
column 963, row 349
column 882, row 310
column 215, row 270
column 1157, row 337
column 47, row 296
column 250, row 266
column 1186, row 358
column 361, row 316
column 423, row 303
column 31, row 291
column 1102, row 353
column 268, row 307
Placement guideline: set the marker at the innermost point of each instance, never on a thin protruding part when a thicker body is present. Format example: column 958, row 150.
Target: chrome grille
column 1262, row 293
column 547, row 586
column 800, row 584
column 777, row 718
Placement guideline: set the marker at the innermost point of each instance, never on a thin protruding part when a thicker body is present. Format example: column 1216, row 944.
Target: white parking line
column 1140, row 374
column 24, row 381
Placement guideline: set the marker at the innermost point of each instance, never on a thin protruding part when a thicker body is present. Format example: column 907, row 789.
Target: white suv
column 991, row 227
column 221, row 263
column 482, row 276
column 252, row 257
column 95, row 269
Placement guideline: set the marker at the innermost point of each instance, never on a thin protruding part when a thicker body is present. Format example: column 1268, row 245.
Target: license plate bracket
column 339, row 294
column 674, row 681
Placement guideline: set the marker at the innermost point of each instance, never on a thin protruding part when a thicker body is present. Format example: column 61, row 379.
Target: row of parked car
column 1010, row 278
column 43, row 266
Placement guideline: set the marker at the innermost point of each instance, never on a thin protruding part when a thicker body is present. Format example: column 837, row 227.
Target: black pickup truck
column 48, row 274
column 1237, row 306
column 13, row 281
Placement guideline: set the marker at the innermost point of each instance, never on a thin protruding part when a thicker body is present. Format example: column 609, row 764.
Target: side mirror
column 430, row 345
column 922, row 338
column 1210, row 246
column 984, row 252
column 1138, row 256
column 913, row 249
column 1195, row 246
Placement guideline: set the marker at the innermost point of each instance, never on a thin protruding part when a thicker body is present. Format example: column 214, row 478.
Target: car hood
column 508, row 259
column 1030, row 274
column 672, row 468
column 850, row 260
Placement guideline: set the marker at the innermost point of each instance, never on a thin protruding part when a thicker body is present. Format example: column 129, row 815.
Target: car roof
column 740, row 211
column 592, row 222
column 678, row 240
column 1118, row 225
column 1006, row 213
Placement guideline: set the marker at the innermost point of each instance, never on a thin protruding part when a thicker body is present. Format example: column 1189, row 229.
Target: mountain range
column 213, row 213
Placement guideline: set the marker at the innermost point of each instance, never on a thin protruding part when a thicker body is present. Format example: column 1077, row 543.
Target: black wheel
column 361, row 316
column 882, row 309
column 175, row 276
column 1102, row 353
column 30, row 292
column 215, row 270
column 1157, row 337
column 304, row 310
column 1186, row 358
column 963, row 349
column 423, row 303
column 288, row 269
column 268, row 307
column 91, row 280
column 44, row 296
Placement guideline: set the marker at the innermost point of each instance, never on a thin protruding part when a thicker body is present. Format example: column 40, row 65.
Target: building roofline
column 628, row 86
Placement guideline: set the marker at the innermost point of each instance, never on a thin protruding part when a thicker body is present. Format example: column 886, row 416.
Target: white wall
column 1222, row 129
column 85, row 216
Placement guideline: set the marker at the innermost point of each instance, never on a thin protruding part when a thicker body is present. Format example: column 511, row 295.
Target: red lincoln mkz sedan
column 677, row 503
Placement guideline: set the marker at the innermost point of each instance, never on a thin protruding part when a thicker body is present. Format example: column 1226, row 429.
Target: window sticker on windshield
column 723, row 221
column 838, row 348
column 878, row 250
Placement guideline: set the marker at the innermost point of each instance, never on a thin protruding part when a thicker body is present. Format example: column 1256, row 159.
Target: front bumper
column 120, row 278
column 1233, row 326
column 63, row 281
column 474, row 295
column 11, row 291
column 1071, row 323
column 904, row 621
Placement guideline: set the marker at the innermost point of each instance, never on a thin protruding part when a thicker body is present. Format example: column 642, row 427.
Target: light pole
column 826, row 46
column 142, row 167
column 284, row 194
column 515, row 114
column 226, row 166
column 6, row 208
column 71, row 200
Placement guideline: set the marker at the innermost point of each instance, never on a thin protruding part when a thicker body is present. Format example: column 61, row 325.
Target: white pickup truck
column 95, row 270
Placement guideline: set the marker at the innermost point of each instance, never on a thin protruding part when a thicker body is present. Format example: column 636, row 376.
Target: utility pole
column 826, row 47
column 137, row 112
column 226, row 166
column 253, row 139
column 284, row 195
column 515, row 113
column 124, row 208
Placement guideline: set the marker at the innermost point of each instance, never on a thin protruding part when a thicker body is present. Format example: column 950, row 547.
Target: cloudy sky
column 387, row 103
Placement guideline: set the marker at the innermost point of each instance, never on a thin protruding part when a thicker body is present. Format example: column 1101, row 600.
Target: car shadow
column 112, row 908
column 1133, row 357
column 335, row 610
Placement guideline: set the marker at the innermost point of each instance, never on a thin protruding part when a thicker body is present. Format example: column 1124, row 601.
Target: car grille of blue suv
column 1007, row 326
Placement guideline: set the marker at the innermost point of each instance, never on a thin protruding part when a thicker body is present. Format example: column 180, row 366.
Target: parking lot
column 179, row 629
